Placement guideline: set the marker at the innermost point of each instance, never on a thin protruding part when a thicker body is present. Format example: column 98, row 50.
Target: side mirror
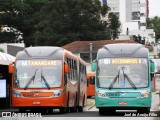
column 152, row 67
column 93, row 66
column 66, row 68
column 10, row 68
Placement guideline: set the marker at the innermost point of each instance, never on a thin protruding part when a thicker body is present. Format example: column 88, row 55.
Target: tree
column 154, row 23
column 57, row 22
column 70, row 20
column 18, row 14
column 114, row 25
column 1, row 50
column 7, row 37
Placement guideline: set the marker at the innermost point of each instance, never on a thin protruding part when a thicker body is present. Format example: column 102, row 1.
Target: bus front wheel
column 106, row 111
column 101, row 111
column 63, row 110
column 22, row 110
column 80, row 109
column 50, row 110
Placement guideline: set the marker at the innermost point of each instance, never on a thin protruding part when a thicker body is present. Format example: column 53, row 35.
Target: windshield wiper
column 125, row 76
column 44, row 79
column 114, row 81
column 130, row 81
column 32, row 79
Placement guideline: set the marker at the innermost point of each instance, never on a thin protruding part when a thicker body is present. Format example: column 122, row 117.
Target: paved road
column 91, row 113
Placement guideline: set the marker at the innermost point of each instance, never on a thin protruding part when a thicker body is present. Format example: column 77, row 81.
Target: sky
column 154, row 8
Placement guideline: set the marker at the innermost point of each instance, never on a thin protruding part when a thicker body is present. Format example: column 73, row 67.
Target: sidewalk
column 90, row 104
column 158, row 94
column 155, row 102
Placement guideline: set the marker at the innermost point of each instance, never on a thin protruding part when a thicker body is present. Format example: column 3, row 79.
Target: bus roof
column 123, row 50
column 41, row 52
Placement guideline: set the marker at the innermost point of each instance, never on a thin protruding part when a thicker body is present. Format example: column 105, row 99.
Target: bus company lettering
column 38, row 63
column 126, row 61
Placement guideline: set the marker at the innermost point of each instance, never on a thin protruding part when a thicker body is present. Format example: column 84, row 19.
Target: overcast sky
column 154, row 8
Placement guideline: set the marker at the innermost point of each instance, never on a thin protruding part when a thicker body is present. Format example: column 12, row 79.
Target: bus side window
column 93, row 80
column 65, row 76
column 65, row 79
column 69, row 74
column 87, row 82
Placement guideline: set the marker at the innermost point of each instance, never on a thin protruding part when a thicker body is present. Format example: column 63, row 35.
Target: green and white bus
column 123, row 78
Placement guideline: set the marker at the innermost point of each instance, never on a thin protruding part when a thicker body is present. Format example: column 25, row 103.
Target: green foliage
column 70, row 20
column 7, row 37
column 1, row 50
column 104, row 10
column 154, row 23
column 114, row 25
column 19, row 14
column 58, row 22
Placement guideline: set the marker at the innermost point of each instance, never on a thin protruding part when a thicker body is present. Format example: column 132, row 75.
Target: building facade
column 12, row 48
column 138, row 8
column 132, row 13
column 133, row 16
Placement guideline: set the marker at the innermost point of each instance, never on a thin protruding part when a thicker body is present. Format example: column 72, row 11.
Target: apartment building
column 133, row 16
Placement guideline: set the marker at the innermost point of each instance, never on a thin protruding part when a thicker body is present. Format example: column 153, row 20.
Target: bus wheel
column 63, row 110
column 89, row 96
column 22, row 110
column 101, row 111
column 50, row 110
column 42, row 110
column 80, row 109
column 73, row 109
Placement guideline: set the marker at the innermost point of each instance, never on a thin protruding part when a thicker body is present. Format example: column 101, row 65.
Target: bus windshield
column 38, row 74
column 122, row 73
column 91, row 80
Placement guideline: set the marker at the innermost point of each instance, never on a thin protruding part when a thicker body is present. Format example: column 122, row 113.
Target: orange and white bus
column 90, row 84
column 47, row 78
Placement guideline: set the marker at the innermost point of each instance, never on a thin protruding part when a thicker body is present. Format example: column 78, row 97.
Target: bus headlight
column 100, row 94
column 57, row 93
column 145, row 94
column 16, row 95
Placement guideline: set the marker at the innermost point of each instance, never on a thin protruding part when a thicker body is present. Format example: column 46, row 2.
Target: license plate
column 122, row 103
column 36, row 103
column 112, row 94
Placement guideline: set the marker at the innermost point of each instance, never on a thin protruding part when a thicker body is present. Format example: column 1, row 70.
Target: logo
column 44, row 85
column 122, row 83
column 6, row 114
column 13, row 115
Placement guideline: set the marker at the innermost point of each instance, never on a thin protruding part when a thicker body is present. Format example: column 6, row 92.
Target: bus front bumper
column 123, row 102
column 38, row 102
